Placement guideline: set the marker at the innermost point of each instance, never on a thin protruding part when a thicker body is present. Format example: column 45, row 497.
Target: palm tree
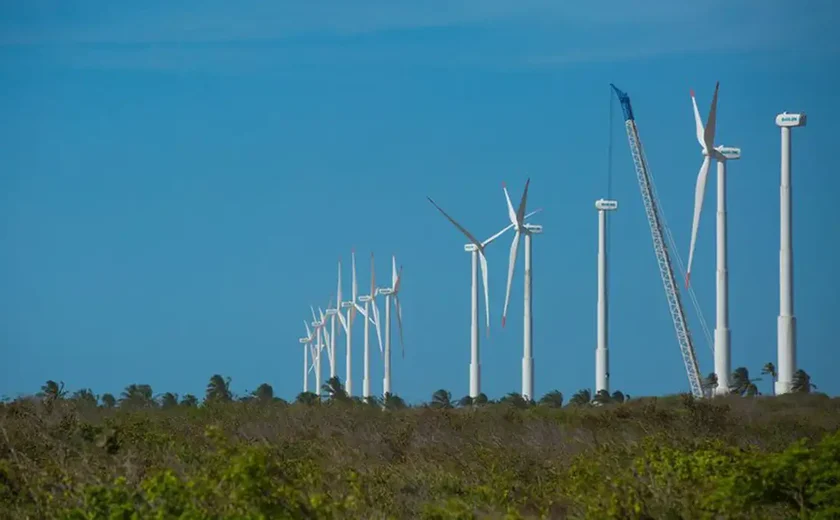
column 742, row 384
column 602, row 397
column 218, row 389
column 168, row 400
column 582, row 397
column 619, row 397
column 553, row 399
column 52, row 391
column 307, row 398
column 137, row 396
column 710, row 383
column 769, row 369
column 442, row 399
column 264, row 393
column 189, row 400
column 334, row 390
column 85, row 397
column 802, row 382
column 393, row 402
column 109, row 401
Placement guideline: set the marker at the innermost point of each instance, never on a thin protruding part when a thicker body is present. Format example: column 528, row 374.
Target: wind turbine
column 347, row 322
column 318, row 325
column 476, row 250
column 306, row 342
column 517, row 218
column 602, row 359
column 391, row 294
column 369, row 299
column 706, row 136
column 787, row 322
column 330, row 313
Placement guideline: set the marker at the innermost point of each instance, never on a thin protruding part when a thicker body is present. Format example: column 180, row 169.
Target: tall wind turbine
column 602, row 360
column 705, row 136
column 517, row 218
column 347, row 322
column 306, row 342
column 318, row 325
column 476, row 250
column 391, row 294
column 330, row 313
column 787, row 322
column 369, row 299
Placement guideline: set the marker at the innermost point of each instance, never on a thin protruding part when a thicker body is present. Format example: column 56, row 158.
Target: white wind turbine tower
column 517, row 218
column 330, row 313
column 602, row 360
column 320, row 333
column 706, row 136
column 347, row 322
column 476, row 250
column 306, row 342
column 369, row 299
column 391, row 294
column 787, row 322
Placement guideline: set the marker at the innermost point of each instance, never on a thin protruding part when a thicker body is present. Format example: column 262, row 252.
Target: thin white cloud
column 220, row 33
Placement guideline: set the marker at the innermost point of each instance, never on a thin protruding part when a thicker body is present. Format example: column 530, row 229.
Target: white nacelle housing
column 729, row 152
column 534, row 228
column 785, row 119
column 346, row 304
column 365, row 298
column 470, row 248
column 304, row 340
column 606, row 205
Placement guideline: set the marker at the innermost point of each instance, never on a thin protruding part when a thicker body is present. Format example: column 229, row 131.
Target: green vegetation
column 76, row 456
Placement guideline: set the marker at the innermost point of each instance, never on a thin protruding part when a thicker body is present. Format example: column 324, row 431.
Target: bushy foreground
column 672, row 457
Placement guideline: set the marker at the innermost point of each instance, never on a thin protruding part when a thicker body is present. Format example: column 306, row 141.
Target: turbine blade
column 511, row 264
column 699, row 193
column 698, row 123
column 486, row 289
column 394, row 277
column 338, row 289
column 709, row 133
column 398, row 308
column 457, row 225
column 354, row 287
column 360, row 309
column 520, row 213
column 314, row 318
column 342, row 321
column 372, row 277
column 511, row 212
column 308, row 332
column 398, row 282
column 376, row 323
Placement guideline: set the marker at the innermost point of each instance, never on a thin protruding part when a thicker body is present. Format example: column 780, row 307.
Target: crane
column 659, row 246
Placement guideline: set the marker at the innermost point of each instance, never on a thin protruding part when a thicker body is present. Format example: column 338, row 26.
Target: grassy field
column 671, row 457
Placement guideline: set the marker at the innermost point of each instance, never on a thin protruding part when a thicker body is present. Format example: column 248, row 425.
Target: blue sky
column 178, row 180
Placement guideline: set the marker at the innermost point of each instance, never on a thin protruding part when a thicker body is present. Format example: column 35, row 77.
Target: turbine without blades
column 476, row 249
column 517, row 218
column 706, row 138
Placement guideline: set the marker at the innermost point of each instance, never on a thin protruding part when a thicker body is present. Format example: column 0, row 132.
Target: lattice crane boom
column 659, row 246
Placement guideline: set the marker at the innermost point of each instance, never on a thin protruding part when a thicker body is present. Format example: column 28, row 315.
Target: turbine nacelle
column 470, row 248
column 534, row 229
column 728, row 153
column 331, row 312
column 364, row 299
column 304, row 340
column 789, row 120
column 606, row 205
column 346, row 305
column 384, row 291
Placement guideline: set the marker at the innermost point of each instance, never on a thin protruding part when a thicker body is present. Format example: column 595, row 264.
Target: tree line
column 218, row 391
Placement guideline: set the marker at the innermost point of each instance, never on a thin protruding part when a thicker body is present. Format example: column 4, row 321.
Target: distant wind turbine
column 370, row 299
column 391, row 294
